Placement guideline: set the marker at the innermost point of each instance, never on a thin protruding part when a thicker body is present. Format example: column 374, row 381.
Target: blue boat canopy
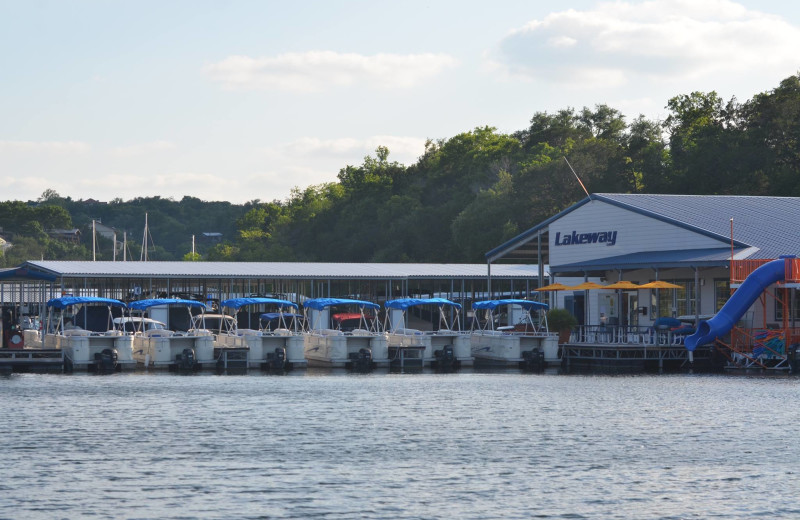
column 321, row 303
column 141, row 305
column 275, row 315
column 526, row 304
column 405, row 303
column 66, row 301
column 235, row 303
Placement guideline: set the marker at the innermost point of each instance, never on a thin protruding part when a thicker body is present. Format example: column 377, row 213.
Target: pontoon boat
column 165, row 348
column 335, row 338
column 522, row 342
column 277, row 343
column 83, row 327
column 445, row 349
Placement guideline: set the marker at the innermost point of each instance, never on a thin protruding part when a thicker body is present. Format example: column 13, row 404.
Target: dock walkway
column 31, row 360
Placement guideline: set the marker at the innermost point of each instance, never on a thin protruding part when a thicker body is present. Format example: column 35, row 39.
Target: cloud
column 402, row 149
column 315, row 71
column 142, row 148
column 61, row 147
column 619, row 43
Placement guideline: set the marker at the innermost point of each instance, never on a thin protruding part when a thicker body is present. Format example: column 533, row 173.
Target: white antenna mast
column 143, row 255
column 576, row 176
column 94, row 243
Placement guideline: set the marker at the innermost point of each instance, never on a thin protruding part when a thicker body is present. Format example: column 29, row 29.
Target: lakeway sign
column 608, row 238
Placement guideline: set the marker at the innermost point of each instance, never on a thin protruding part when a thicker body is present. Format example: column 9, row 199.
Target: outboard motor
column 445, row 359
column 105, row 362
column 361, row 361
column 276, row 361
column 185, row 361
column 532, row 360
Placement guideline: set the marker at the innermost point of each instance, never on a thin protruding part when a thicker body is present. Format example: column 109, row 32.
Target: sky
column 245, row 100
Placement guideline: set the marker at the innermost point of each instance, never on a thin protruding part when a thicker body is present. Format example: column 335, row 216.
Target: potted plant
column 561, row 321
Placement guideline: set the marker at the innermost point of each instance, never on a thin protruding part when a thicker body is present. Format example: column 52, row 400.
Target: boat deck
column 634, row 357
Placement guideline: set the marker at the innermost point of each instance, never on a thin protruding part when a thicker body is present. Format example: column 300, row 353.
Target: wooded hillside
column 464, row 195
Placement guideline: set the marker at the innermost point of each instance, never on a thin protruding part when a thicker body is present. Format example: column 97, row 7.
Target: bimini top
column 405, row 303
column 66, row 301
column 235, row 303
column 493, row 304
column 141, row 305
column 321, row 303
column 275, row 315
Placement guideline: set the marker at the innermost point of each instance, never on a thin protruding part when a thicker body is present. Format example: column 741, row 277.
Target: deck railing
column 741, row 269
column 628, row 335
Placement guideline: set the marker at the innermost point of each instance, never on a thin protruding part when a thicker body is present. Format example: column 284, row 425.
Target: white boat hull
column 261, row 344
column 162, row 351
column 496, row 348
column 80, row 348
column 433, row 341
column 332, row 348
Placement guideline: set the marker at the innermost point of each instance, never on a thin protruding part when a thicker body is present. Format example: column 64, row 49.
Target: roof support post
column 489, row 280
column 539, row 261
column 696, row 296
column 655, row 316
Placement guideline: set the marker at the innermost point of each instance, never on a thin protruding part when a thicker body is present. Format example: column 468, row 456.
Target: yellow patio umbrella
column 585, row 286
column 554, row 287
column 658, row 284
column 625, row 285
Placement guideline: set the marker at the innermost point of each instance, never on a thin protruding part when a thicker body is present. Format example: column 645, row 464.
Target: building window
column 675, row 302
column 722, row 293
column 794, row 307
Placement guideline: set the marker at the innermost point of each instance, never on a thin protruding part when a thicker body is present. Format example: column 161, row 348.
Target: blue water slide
column 737, row 305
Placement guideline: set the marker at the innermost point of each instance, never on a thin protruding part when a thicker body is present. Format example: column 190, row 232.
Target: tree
column 49, row 195
column 703, row 138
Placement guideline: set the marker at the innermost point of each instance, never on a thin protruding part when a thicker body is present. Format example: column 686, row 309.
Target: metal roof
column 277, row 270
column 765, row 225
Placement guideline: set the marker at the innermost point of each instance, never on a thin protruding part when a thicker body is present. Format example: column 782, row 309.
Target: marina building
column 699, row 248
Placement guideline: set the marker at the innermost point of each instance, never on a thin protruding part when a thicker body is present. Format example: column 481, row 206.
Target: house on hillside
column 104, row 231
column 72, row 236
column 211, row 238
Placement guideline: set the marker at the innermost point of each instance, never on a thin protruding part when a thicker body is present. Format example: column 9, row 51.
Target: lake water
column 332, row 445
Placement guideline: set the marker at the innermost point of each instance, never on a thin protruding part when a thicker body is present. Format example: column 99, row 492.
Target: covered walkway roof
column 283, row 270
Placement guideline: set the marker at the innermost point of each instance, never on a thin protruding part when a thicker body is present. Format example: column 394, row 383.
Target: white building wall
column 622, row 232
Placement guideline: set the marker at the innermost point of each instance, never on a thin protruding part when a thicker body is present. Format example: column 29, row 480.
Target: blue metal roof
column 648, row 259
column 768, row 223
